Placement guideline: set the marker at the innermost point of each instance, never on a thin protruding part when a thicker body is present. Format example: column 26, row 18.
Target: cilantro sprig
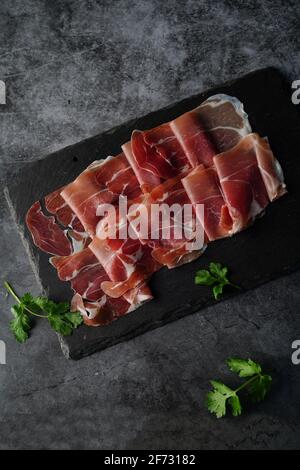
column 222, row 397
column 216, row 277
column 58, row 315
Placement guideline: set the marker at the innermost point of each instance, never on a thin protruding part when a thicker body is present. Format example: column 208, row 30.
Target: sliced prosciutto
column 127, row 262
column 155, row 156
column 203, row 188
column 79, row 266
column 86, row 276
column 65, row 217
column 56, row 205
column 241, row 181
column 215, row 126
column 46, row 234
column 270, row 168
column 101, row 183
column 108, row 309
column 170, row 232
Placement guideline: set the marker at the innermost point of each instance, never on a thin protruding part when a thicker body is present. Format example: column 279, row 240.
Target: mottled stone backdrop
column 73, row 69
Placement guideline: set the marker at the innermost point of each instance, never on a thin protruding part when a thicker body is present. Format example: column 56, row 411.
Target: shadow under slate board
column 268, row 249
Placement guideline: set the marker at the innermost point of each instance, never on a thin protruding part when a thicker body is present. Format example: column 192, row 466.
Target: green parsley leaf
column 20, row 325
column 60, row 324
column 219, row 272
column 216, row 403
column 218, row 290
column 65, row 323
column 236, row 407
column 215, row 276
column 221, row 388
column 217, row 399
column 257, row 386
column 204, row 278
column 58, row 314
column 244, row 368
column 74, row 318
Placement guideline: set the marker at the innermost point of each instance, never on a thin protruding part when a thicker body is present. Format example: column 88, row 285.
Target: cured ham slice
column 80, row 267
column 241, row 182
column 56, row 205
column 170, row 233
column 108, row 309
column 102, row 312
column 101, row 183
column 166, row 151
column 203, row 188
column 86, row 275
column 215, row 126
column 68, row 267
column 66, row 218
column 46, row 234
column 127, row 262
column 155, row 156
column 270, row 168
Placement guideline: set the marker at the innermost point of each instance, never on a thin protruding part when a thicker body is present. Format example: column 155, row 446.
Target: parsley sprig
column 216, row 277
column 58, row 315
column 257, row 386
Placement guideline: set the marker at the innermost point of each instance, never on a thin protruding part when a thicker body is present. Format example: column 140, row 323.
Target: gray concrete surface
column 72, row 69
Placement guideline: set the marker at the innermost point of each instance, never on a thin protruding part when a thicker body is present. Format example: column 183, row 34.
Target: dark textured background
column 73, row 69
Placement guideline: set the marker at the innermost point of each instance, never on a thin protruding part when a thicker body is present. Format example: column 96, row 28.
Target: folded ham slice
column 242, row 180
column 56, row 205
column 155, row 156
column 203, row 188
column 195, row 137
column 215, row 126
column 270, row 168
column 171, row 237
column 101, row 183
column 46, row 234
column 108, row 309
column 77, row 264
column 128, row 264
column 86, row 275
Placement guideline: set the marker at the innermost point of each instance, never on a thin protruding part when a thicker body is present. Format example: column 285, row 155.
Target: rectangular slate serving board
column 268, row 249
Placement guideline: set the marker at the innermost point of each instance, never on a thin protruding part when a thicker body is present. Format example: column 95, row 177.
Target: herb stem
column 245, row 384
column 234, row 285
column 10, row 290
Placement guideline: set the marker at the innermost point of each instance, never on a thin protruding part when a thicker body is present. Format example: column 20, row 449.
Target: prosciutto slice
column 101, row 183
column 108, row 309
column 46, row 234
column 203, row 188
column 127, row 262
column 67, row 220
column 155, row 156
column 86, row 275
column 215, row 126
column 56, row 205
column 241, row 180
column 96, row 307
column 171, row 237
column 78, row 265
column 270, row 168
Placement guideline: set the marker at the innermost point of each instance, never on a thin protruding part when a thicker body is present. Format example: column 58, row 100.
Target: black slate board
column 268, row 249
